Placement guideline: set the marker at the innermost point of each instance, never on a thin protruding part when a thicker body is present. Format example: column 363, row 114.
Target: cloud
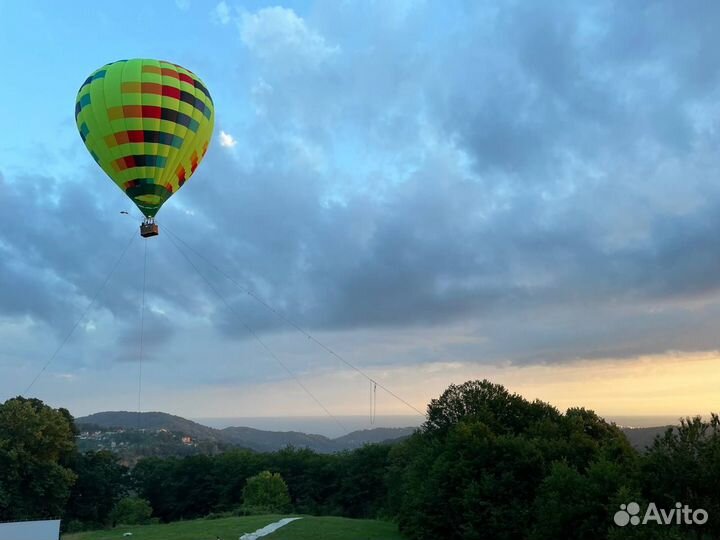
column 227, row 140
column 157, row 332
column 183, row 5
column 51, row 264
column 530, row 168
column 221, row 13
column 543, row 179
column 278, row 34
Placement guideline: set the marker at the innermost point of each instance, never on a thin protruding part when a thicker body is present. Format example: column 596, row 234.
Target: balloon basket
column 149, row 228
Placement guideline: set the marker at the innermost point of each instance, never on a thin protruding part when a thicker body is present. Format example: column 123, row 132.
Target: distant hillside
column 245, row 437
column 269, row 441
column 148, row 420
column 643, row 437
column 376, row 435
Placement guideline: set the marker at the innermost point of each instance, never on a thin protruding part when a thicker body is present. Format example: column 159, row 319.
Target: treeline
column 350, row 484
column 43, row 475
column 487, row 464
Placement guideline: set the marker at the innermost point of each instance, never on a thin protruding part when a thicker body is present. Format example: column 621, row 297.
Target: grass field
column 308, row 528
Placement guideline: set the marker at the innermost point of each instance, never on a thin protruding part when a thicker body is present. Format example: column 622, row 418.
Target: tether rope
column 291, row 322
column 84, row 314
column 142, row 333
column 257, row 337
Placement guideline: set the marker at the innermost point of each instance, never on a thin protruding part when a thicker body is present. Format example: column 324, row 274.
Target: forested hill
column 254, row 439
column 148, row 420
column 642, row 438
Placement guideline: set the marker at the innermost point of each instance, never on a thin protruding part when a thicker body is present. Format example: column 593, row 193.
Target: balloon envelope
column 148, row 124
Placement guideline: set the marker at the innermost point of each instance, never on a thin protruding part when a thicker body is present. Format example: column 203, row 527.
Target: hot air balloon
column 148, row 124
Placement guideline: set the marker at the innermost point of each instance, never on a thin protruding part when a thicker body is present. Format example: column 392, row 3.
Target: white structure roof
column 30, row 530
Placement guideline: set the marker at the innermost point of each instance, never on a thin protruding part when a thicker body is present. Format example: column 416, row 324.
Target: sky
column 437, row 191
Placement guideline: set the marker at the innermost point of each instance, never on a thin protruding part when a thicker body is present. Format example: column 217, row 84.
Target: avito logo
column 629, row 514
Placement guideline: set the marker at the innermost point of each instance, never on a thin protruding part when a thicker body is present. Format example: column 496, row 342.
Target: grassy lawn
column 335, row 528
column 315, row 528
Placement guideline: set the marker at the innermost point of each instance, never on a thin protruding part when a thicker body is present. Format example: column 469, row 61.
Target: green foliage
column 649, row 531
column 312, row 479
column 362, row 487
column 488, row 464
column 101, row 483
column 349, row 484
column 683, row 465
column 131, row 511
column 489, row 403
column 36, row 447
column 474, row 485
column 219, row 515
column 266, row 493
column 75, row 526
column 154, row 480
column 179, row 488
column 233, row 469
column 575, row 505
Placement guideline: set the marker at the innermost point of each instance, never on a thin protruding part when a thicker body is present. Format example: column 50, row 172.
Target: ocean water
column 319, row 425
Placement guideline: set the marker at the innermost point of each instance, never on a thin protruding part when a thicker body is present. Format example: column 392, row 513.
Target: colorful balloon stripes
column 148, row 124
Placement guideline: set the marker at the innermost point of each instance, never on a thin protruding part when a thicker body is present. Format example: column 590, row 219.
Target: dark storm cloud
column 60, row 240
column 576, row 179
column 541, row 81
column 46, row 261
column 548, row 171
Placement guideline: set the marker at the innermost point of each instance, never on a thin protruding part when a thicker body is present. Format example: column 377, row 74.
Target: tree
column 312, row 479
column 131, row 511
column 153, row 479
column 362, row 490
column 490, row 403
column 37, row 444
column 484, row 466
column 101, row 483
column 575, row 505
column 471, row 485
column 195, row 486
column 683, row 466
column 267, row 493
column 231, row 470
